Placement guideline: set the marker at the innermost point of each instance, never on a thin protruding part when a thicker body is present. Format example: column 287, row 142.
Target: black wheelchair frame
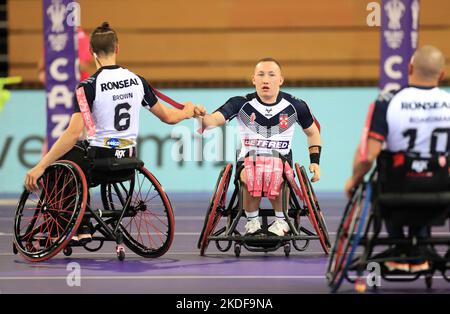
column 233, row 211
column 361, row 226
column 52, row 216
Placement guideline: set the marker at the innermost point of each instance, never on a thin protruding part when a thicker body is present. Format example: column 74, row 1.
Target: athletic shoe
column 419, row 267
column 279, row 227
column 396, row 266
column 83, row 234
column 252, row 226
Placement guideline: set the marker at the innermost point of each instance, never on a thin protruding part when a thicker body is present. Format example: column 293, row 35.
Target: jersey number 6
column 119, row 117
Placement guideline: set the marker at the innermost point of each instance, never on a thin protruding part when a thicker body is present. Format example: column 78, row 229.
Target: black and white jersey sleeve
column 231, row 108
column 88, row 87
column 149, row 98
column 304, row 116
column 378, row 125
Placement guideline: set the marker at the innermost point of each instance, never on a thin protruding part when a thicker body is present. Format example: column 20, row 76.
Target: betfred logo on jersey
column 113, row 142
column 284, row 119
column 266, row 143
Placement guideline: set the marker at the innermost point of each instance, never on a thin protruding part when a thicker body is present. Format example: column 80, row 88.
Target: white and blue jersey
column 264, row 127
column 115, row 96
column 414, row 119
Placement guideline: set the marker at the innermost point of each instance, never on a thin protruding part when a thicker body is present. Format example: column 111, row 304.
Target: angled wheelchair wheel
column 148, row 224
column 315, row 215
column 347, row 237
column 46, row 220
column 216, row 208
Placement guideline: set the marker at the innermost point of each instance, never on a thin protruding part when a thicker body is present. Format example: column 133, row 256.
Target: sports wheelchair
column 300, row 204
column 405, row 190
column 136, row 210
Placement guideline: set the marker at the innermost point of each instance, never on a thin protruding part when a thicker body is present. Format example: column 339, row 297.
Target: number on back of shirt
column 122, row 117
column 438, row 136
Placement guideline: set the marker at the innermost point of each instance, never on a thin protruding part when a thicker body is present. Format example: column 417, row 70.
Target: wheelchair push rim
column 46, row 220
column 214, row 215
column 148, row 225
column 314, row 214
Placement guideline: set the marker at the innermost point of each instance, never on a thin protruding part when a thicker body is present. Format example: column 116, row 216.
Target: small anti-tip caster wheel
column 429, row 281
column 67, row 251
column 237, row 250
column 360, row 285
column 287, row 250
column 120, row 252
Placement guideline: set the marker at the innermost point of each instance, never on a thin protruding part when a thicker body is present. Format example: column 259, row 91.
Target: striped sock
column 279, row 215
column 252, row 215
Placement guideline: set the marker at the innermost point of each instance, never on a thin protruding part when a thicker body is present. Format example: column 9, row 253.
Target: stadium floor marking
column 173, row 277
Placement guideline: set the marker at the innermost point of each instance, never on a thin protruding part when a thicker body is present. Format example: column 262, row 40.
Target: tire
column 347, row 237
column 315, row 215
column 148, row 226
column 216, row 207
column 46, row 220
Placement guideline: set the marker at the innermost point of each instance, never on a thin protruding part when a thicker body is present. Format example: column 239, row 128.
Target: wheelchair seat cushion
column 408, row 173
column 412, row 190
column 112, row 170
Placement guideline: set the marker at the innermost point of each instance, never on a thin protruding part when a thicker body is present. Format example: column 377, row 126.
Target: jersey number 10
column 412, row 134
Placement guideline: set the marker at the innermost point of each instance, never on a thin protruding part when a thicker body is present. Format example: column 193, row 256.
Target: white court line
column 9, row 202
column 169, row 277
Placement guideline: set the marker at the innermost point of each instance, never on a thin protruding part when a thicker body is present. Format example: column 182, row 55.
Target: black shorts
column 82, row 154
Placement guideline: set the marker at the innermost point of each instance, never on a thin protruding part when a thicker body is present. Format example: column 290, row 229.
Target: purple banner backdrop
column 399, row 37
column 61, row 65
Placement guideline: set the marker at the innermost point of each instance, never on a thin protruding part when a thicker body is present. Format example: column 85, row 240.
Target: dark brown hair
column 269, row 59
column 104, row 40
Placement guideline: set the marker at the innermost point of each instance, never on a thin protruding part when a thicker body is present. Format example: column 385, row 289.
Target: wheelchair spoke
column 153, row 225
column 149, row 236
column 149, row 213
column 138, row 228
column 52, row 197
column 157, row 217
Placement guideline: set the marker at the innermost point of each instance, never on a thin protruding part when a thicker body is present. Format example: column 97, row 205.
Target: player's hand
column 188, row 109
column 349, row 186
column 199, row 111
column 31, row 178
column 314, row 168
